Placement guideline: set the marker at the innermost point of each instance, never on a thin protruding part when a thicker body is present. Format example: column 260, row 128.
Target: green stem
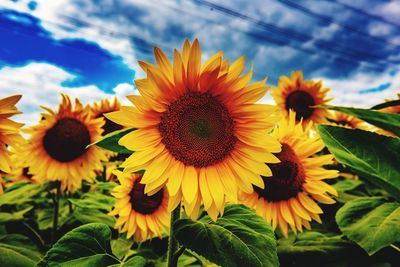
column 395, row 247
column 56, row 205
column 173, row 243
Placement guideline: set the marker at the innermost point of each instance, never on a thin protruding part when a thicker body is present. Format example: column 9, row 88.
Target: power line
column 293, row 35
column 363, row 12
column 328, row 19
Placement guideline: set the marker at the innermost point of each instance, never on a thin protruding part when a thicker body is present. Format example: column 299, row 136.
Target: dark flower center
column 198, row 130
column 143, row 203
column 300, row 102
column 66, row 140
column 344, row 123
column 287, row 177
column 25, row 172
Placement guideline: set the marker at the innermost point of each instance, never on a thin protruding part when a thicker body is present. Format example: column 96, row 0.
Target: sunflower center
column 143, row 203
column 287, row 177
column 198, row 130
column 343, row 123
column 300, row 101
column 109, row 126
column 25, row 172
column 66, row 140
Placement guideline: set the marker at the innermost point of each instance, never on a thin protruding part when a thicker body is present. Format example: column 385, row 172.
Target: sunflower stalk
column 173, row 244
column 56, row 206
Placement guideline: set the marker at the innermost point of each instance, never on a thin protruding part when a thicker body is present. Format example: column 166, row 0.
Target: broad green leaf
column 14, row 216
column 20, row 194
column 239, row 238
column 136, row 261
column 87, row 245
column 387, row 121
column 373, row 156
column 110, row 141
column 12, row 258
column 105, row 185
column 387, row 104
column 372, row 222
column 316, row 248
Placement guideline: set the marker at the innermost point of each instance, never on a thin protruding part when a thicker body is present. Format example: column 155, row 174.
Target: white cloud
column 40, row 84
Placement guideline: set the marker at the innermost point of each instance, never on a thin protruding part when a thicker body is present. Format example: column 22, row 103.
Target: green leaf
column 105, row 185
column 18, row 250
column 12, row 258
column 20, row 194
column 110, row 141
column 136, row 261
column 87, row 245
column 44, row 217
column 374, row 157
column 93, row 216
column 387, row 104
column 387, row 121
column 371, row 222
column 317, row 248
column 121, row 246
column 239, row 238
column 347, row 185
column 94, row 200
column 14, row 216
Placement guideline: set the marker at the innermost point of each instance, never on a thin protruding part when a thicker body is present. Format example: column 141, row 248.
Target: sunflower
column 289, row 195
column 9, row 133
column 198, row 129
column 140, row 215
column 345, row 120
column 57, row 150
column 20, row 170
column 105, row 106
column 300, row 95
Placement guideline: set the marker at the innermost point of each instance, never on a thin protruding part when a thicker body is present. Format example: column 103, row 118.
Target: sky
column 89, row 49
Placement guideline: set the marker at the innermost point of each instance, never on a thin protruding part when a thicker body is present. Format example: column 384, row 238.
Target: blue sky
column 90, row 50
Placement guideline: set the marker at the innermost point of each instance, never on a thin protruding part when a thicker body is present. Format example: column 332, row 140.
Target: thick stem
column 56, row 205
column 173, row 243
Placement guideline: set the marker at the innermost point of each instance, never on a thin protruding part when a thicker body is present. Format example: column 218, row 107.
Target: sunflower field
column 197, row 172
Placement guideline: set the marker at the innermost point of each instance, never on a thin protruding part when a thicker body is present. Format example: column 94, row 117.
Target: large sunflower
column 9, row 133
column 289, row 195
column 57, row 150
column 20, row 168
column 140, row 215
column 300, row 95
column 105, row 106
column 198, row 129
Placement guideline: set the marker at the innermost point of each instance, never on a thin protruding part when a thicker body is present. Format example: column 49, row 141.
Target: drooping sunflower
column 105, row 106
column 345, row 120
column 301, row 95
column 57, row 150
column 139, row 214
column 198, row 129
column 290, row 195
column 9, row 133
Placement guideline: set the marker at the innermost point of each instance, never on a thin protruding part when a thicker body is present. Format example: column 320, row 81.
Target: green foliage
column 110, row 141
column 87, row 245
column 371, row 222
column 387, row 121
column 316, row 248
column 374, row 157
column 14, row 216
column 18, row 250
column 239, row 238
column 20, row 193
column 387, row 104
